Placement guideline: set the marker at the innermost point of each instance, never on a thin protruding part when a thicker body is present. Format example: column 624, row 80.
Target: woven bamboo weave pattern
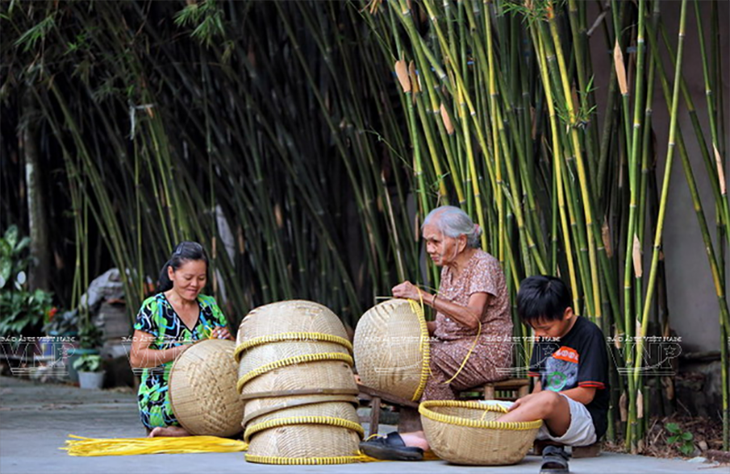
column 305, row 441
column 203, row 389
column 271, row 353
column 291, row 336
column 259, row 407
column 297, row 360
column 295, row 316
column 468, row 433
column 391, row 348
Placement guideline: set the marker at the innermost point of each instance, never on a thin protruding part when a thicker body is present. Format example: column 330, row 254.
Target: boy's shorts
column 581, row 431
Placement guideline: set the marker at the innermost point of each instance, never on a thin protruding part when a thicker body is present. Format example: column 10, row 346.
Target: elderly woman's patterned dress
column 158, row 318
column 491, row 358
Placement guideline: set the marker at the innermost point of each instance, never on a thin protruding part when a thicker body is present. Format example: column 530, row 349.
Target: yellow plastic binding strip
column 303, row 420
column 290, row 336
column 425, row 349
column 292, row 361
column 303, row 461
column 424, row 410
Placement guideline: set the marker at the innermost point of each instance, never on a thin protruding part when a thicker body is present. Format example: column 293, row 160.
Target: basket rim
column 303, row 420
column 424, row 410
column 290, row 336
column 292, row 361
column 302, row 461
column 298, row 403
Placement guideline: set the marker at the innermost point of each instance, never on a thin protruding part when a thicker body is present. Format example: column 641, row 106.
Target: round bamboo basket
column 258, row 407
column 391, row 348
column 468, row 433
column 322, row 433
column 297, row 319
column 306, row 378
column 273, row 352
column 202, row 389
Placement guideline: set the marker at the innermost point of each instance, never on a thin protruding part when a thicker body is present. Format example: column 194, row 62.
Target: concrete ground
column 35, row 420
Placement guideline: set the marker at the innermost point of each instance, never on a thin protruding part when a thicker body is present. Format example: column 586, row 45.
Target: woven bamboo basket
column 258, row 407
column 277, row 352
column 305, row 378
column 322, row 433
column 468, row 433
column 391, row 348
column 295, row 319
column 202, row 389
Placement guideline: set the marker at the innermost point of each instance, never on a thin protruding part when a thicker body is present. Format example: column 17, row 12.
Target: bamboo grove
column 298, row 140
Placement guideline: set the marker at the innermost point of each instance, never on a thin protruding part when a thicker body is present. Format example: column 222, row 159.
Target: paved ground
column 35, row 420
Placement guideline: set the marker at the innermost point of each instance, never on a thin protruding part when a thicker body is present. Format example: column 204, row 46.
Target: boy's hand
column 520, row 401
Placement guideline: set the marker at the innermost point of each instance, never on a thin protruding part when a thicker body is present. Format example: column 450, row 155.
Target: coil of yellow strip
column 291, row 336
column 292, row 361
column 81, row 446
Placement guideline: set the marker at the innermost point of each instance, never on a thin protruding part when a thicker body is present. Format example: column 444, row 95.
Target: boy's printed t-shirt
column 578, row 359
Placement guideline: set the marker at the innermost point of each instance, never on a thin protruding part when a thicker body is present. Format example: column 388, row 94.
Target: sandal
column 554, row 461
column 391, row 448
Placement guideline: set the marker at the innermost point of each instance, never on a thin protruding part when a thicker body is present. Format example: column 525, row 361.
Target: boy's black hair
column 543, row 298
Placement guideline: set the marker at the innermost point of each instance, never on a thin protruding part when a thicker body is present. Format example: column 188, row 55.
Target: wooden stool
column 590, row 451
column 409, row 419
column 516, row 388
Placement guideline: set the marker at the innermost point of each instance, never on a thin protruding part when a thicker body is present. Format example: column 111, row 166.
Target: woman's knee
column 548, row 401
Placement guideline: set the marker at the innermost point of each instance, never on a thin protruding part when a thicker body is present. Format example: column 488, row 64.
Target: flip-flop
column 391, row 448
column 554, row 460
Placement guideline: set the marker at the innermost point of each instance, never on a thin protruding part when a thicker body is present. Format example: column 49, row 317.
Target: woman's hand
column 221, row 332
column 407, row 290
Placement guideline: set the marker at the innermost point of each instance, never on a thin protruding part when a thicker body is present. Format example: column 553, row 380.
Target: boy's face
column 557, row 328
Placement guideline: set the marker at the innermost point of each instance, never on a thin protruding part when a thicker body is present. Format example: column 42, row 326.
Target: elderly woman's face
column 442, row 249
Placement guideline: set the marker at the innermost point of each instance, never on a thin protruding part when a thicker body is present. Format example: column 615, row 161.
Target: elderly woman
column 472, row 303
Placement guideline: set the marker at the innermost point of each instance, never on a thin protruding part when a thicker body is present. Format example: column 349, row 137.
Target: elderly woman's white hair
column 454, row 222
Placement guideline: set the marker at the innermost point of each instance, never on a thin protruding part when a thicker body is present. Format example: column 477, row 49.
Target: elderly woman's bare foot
column 168, row 431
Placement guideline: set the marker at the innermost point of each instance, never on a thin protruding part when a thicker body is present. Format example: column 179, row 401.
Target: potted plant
column 89, row 369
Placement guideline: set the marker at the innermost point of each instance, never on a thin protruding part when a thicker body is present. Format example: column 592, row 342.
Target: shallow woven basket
column 273, row 352
column 467, row 433
column 202, row 389
column 323, row 433
column 258, row 407
column 306, row 378
column 300, row 319
column 391, row 348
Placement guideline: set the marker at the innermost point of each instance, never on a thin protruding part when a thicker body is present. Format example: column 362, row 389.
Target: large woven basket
column 258, row 407
column 280, row 353
column 468, row 433
column 289, row 320
column 391, row 348
column 305, row 378
column 322, row 433
column 202, row 389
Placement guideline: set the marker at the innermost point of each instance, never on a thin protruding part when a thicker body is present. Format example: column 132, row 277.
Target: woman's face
column 189, row 279
column 442, row 249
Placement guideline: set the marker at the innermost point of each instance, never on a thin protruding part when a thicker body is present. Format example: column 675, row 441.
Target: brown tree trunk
column 39, row 271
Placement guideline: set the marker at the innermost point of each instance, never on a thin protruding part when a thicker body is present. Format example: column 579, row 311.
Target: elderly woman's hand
column 407, row 290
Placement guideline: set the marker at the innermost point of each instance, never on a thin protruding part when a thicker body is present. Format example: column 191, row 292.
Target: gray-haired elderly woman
column 472, row 294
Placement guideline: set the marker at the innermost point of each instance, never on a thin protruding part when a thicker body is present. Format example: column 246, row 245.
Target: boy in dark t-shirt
column 570, row 359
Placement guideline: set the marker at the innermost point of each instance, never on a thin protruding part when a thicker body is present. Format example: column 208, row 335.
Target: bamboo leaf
column 720, row 170
column 402, row 72
column 618, row 61
column 636, row 254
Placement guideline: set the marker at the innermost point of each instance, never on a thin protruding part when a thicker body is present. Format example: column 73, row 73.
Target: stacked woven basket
column 295, row 376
